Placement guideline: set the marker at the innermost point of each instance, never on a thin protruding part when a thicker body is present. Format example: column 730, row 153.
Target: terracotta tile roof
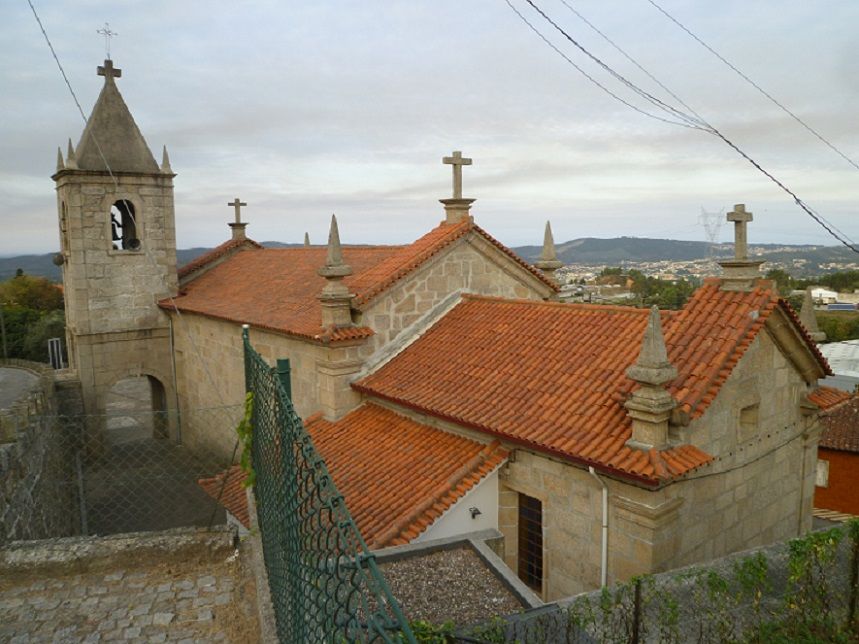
column 216, row 253
column 397, row 475
column 277, row 289
column 841, row 425
column 369, row 450
column 828, row 397
column 233, row 496
column 552, row 376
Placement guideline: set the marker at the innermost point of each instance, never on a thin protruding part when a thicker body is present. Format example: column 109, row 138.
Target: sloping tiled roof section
column 397, row 475
column 828, row 397
column 841, row 426
column 376, row 280
column 231, row 494
column 277, row 289
column 221, row 251
column 552, row 376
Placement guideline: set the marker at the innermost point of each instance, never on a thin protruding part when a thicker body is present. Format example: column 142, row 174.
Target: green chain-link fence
column 325, row 585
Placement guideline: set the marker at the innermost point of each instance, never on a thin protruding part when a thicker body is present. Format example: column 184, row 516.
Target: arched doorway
column 136, row 475
column 136, row 409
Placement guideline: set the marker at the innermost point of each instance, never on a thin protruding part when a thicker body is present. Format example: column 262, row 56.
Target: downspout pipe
column 604, row 554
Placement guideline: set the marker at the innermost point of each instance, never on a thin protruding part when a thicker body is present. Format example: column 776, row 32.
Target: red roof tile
column 225, row 249
column 828, row 397
column 277, row 289
column 553, row 376
column 841, row 425
column 370, row 448
column 231, row 494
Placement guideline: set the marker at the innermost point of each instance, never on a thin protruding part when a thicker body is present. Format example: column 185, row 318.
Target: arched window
column 123, row 226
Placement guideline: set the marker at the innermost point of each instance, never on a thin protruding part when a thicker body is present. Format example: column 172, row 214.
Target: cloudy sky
column 307, row 108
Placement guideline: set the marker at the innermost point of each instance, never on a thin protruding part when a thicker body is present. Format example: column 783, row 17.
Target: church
column 446, row 387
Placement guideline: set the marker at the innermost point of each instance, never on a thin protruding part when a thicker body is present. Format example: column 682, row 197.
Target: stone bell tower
column 118, row 252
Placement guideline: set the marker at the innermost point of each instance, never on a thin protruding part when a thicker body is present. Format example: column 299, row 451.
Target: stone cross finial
column 237, row 204
column 740, row 218
column 108, row 34
column 457, row 161
column 238, row 226
column 109, row 71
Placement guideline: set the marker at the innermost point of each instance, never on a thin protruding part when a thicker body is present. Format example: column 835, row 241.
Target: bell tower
column 118, row 250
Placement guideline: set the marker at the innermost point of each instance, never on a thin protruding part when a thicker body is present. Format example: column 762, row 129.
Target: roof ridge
column 507, row 251
column 215, row 253
column 732, row 356
column 566, row 305
column 809, row 341
column 408, row 264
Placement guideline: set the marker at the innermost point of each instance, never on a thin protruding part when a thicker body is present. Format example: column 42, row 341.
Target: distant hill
column 588, row 250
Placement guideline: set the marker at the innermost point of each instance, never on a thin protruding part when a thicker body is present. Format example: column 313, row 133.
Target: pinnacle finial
column 809, row 319
column 548, row 262
column 71, row 161
column 548, row 253
column 334, row 266
column 60, row 164
column 165, row 162
column 652, row 366
column 306, row 239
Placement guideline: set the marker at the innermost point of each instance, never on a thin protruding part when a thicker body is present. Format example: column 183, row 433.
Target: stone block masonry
column 181, row 585
column 38, row 498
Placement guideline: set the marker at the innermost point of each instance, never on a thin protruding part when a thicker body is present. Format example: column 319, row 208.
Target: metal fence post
column 284, row 374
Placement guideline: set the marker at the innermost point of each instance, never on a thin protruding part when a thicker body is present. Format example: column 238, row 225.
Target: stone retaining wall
column 38, row 498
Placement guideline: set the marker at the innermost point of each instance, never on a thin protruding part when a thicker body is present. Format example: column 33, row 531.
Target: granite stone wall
column 38, row 491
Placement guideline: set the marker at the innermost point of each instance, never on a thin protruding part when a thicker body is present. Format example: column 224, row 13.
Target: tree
column 782, row 279
column 37, row 293
column 32, row 309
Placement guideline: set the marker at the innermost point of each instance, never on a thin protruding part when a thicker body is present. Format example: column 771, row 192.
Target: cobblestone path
column 164, row 603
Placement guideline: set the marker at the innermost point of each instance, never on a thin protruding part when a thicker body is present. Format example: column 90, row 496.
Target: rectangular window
column 822, row 477
column 531, row 542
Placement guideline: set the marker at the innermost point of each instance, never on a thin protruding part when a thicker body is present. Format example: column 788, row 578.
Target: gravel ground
column 448, row 585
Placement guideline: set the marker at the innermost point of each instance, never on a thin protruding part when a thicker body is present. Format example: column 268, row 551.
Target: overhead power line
column 701, row 124
column 754, row 84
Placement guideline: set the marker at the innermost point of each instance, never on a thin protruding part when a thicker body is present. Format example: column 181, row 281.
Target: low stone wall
column 38, row 497
column 774, row 593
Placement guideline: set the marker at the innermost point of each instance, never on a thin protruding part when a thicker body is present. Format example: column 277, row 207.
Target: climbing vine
column 246, row 437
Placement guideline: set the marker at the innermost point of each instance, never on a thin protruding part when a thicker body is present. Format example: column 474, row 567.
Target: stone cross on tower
column 740, row 273
column 457, row 161
column 456, row 208
column 740, row 218
column 109, row 71
column 238, row 226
